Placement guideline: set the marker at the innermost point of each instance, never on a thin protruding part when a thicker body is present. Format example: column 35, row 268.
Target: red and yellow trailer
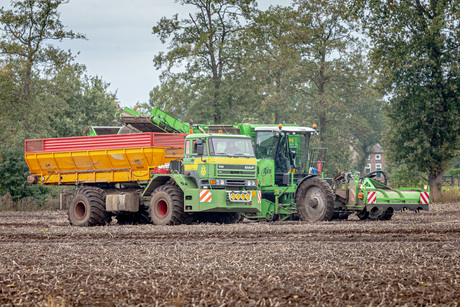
column 103, row 158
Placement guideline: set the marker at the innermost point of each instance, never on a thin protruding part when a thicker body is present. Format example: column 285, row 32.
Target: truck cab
column 217, row 177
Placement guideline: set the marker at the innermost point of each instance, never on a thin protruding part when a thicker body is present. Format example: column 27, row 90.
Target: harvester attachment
column 371, row 197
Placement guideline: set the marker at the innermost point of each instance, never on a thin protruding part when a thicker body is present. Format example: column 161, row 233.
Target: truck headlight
column 251, row 183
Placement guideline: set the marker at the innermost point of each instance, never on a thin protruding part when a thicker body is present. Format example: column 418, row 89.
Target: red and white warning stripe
column 259, row 196
column 205, row 196
column 424, row 198
column 371, row 197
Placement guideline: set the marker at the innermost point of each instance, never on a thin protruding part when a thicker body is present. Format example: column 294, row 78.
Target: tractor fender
column 182, row 181
column 155, row 183
column 299, row 183
column 194, row 176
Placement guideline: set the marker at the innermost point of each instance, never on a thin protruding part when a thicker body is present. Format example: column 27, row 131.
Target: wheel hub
column 80, row 211
column 313, row 202
column 161, row 208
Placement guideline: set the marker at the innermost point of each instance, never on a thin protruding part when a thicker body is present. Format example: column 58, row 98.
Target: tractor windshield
column 288, row 149
column 231, row 147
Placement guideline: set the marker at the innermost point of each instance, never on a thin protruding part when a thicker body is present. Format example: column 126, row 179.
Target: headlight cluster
column 217, row 181
column 239, row 196
column 251, row 183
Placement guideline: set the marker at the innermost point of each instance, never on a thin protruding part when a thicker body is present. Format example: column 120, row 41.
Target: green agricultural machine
column 289, row 174
column 290, row 179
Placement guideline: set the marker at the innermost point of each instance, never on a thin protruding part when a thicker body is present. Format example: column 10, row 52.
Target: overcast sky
column 120, row 45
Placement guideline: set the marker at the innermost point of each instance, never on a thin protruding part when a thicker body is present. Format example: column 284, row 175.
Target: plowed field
column 414, row 259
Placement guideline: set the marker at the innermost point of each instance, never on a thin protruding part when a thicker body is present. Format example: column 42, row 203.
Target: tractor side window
column 266, row 142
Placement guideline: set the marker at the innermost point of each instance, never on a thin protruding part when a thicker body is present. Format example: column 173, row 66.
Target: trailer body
column 164, row 178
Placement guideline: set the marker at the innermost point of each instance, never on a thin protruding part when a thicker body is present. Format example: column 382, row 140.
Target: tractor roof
column 218, row 135
column 285, row 129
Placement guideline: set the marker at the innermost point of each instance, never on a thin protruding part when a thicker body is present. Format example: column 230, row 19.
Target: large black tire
column 167, row 205
column 314, row 200
column 87, row 207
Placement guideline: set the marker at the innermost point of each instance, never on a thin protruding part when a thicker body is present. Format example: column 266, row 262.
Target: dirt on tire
column 413, row 259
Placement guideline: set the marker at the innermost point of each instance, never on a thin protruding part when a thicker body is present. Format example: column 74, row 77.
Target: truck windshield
column 231, row 147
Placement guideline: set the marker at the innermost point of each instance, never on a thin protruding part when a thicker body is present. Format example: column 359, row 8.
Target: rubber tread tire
column 94, row 200
column 328, row 199
column 174, row 199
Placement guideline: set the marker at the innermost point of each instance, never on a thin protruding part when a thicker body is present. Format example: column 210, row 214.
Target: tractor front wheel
column 315, row 201
column 167, row 205
column 87, row 207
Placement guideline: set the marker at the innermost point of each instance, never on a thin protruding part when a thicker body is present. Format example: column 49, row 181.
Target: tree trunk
column 435, row 183
column 25, row 97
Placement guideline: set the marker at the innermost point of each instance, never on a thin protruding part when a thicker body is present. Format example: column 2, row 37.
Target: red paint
column 319, row 166
column 115, row 141
column 161, row 208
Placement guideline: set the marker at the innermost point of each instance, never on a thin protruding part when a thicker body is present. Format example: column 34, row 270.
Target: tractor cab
column 283, row 152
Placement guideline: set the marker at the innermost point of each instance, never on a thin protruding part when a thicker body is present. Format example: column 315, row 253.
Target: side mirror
column 200, row 149
column 199, row 146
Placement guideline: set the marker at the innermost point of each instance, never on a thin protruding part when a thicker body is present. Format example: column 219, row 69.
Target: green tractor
column 290, row 176
column 291, row 181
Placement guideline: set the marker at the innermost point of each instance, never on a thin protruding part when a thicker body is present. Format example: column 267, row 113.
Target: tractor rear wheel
column 167, row 205
column 87, row 207
column 315, row 201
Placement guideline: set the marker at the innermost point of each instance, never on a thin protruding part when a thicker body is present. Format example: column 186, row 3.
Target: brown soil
column 413, row 259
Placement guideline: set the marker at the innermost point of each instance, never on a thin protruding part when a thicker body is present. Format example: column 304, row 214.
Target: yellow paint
column 231, row 160
column 191, row 167
column 203, row 170
column 219, row 160
column 111, row 165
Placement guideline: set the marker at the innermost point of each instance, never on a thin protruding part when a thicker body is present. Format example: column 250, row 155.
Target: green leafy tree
column 80, row 101
column 271, row 64
column 24, row 31
column 335, row 85
column 202, row 43
column 13, row 174
column 416, row 50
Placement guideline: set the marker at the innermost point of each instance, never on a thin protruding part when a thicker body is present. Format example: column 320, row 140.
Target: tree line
column 364, row 71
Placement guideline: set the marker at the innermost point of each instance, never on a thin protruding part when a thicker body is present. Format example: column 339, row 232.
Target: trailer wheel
column 167, row 205
column 315, row 201
column 87, row 207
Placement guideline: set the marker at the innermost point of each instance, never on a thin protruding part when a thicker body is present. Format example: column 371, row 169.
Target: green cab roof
column 217, row 135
